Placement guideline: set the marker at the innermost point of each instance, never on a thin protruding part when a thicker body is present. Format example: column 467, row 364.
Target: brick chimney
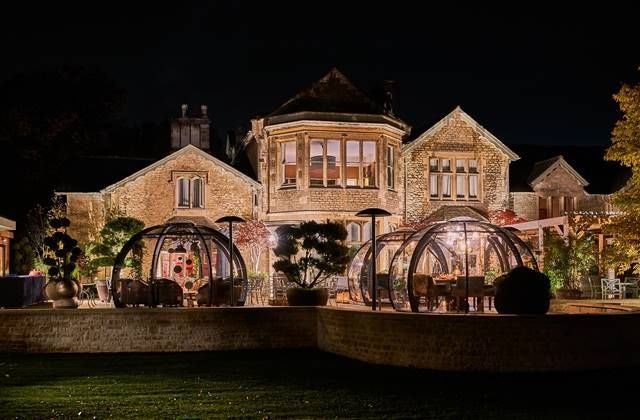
column 190, row 130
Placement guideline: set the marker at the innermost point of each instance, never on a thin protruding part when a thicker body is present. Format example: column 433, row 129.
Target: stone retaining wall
column 453, row 342
column 156, row 330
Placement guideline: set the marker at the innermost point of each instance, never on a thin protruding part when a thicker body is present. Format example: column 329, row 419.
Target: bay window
column 325, row 163
column 390, row 168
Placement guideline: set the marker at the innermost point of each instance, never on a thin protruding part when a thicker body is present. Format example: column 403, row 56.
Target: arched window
column 367, row 232
column 353, row 232
column 190, row 192
column 197, row 200
column 183, row 192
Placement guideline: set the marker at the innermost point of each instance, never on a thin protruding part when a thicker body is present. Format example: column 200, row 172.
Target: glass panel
column 473, row 186
column 316, row 154
column 368, row 164
column 555, row 206
column 353, row 163
column 390, row 165
column 446, row 185
column 198, row 196
column 334, row 163
column 459, row 165
column 183, row 192
column 353, row 232
column 433, row 185
column 289, row 163
column 446, row 165
column 473, row 165
column 460, row 184
column 433, row 165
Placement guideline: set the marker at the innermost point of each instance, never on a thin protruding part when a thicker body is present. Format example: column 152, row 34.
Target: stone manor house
column 331, row 151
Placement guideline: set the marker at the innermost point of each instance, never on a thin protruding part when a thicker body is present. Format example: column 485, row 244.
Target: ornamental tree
column 254, row 237
column 504, row 217
column 625, row 148
column 311, row 252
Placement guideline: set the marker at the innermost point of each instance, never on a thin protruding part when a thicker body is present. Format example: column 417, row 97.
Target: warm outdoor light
column 373, row 212
column 230, row 220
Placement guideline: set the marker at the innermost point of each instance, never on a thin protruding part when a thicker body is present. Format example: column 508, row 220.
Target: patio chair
column 425, row 287
column 611, row 288
column 168, row 293
column 631, row 287
column 476, row 291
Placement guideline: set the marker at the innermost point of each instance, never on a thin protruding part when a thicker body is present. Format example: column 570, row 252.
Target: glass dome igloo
column 449, row 262
column 178, row 257
column 358, row 276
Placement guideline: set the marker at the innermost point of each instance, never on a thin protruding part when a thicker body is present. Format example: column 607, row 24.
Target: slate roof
column 604, row 177
column 332, row 93
column 333, row 98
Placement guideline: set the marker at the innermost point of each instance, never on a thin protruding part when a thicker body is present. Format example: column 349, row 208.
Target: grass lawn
column 290, row 384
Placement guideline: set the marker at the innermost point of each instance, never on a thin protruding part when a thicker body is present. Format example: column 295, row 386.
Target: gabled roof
column 472, row 123
column 543, row 168
column 603, row 177
column 187, row 149
column 333, row 98
column 7, row 224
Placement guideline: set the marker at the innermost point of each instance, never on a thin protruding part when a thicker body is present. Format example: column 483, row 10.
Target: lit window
column 353, row 232
column 197, row 193
column 289, row 168
column 367, row 232
column 316, row 158
column 459, row 182
column 473, row 186
column 325, row 163
column 190, row 192
column 369, row 163
column 390, row 166
column 433, row 186
column 183, row 192
column 361, row 163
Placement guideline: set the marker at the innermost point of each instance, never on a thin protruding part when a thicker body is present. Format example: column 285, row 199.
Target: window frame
column 283, row 163
column 446, row 165
column 186, row 182
column 391, row 172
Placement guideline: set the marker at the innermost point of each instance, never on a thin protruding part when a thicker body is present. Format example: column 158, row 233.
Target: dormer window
column 190, row 192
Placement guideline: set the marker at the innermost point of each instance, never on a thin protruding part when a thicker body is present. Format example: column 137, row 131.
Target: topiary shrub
column 522, row 291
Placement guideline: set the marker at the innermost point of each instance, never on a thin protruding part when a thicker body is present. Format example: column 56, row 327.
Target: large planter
column 297, row 296
column 63, row 293
column 103, row 291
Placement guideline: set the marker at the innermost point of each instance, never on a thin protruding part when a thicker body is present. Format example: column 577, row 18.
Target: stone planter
column 297, row 296
column 63, row 293
column 103, row 291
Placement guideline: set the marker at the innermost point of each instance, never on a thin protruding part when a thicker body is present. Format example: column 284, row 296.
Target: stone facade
column 455, row 137
column 302, row 201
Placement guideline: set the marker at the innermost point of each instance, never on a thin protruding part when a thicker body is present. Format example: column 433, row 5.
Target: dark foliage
column 522, row 291
column 62, row 251
column 311, row 252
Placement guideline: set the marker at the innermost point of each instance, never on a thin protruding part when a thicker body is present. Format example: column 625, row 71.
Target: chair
column 167, row 292
column 133, row 292
column 476, row 291
column 611, row 288
column 278, row 289
column 424, row 286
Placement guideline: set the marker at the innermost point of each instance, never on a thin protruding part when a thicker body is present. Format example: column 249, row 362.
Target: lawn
column 290, row 384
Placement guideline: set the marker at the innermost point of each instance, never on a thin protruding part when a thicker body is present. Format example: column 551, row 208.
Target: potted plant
column 307, row 255
column 62, row 254
column 115, row 233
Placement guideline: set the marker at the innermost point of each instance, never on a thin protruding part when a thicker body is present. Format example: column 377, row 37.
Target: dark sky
column 529, row 73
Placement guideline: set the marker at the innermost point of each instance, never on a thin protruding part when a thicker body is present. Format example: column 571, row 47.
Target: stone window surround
column 452, row 172
column 190, row 175
column 364, row 230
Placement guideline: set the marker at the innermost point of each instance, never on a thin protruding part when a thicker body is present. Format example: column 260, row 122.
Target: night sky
column 528, row 73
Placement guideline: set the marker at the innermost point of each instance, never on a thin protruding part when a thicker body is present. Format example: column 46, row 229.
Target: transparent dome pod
column 359, row 270
column 448, row 262
column 160, row 262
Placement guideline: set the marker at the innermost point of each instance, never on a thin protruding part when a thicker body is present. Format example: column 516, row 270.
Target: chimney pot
column 184, row 110
column 203, row 109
